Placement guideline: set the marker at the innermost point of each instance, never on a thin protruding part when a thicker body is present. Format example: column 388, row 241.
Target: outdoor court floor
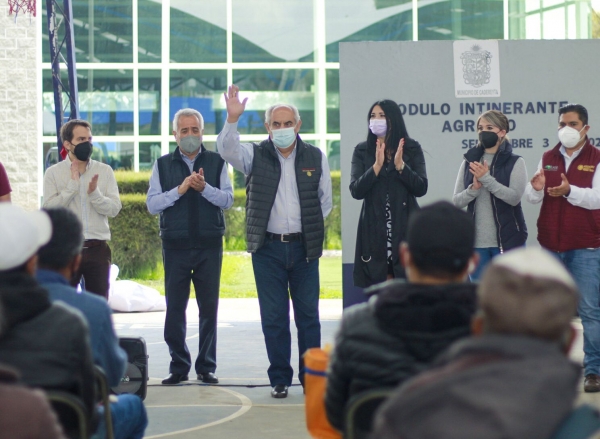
column 240, row 406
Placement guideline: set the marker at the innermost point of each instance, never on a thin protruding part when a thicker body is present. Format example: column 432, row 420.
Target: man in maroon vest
column 568, row 186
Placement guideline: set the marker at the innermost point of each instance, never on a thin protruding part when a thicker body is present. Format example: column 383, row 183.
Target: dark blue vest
column 261, row 189
column 192, row 222
column 511, row 230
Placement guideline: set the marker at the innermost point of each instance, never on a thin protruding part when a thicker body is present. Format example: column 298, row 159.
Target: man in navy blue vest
column 189, row 188
column 289, row 195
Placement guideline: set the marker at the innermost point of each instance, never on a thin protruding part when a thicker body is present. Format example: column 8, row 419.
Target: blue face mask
column 284, row 137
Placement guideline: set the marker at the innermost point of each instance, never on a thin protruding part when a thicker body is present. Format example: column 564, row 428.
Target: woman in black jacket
column 388, row 173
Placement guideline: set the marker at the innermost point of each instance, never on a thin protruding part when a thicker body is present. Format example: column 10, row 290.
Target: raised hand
column 478, row 169
column 562, row 190
column 93, row 184
column 538, row 181
column 235, row 108
column 398, row 161
column 379, row 156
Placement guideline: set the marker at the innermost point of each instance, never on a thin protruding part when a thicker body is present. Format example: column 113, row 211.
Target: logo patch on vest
column 550, row 168
column 586, row 168
column 309, row 171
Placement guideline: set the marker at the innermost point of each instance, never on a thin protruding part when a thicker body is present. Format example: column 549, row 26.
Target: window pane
column 462, row 19
column 149, row 31
column 201, row 90
column 118, row 155
column 149, row 102
column 272, row 31
column 198, row 31
column 103, row 30
column 149, row 153
column 106, row 100
column 333, row 101
column 360, row 20
column 264, row 88
column 333, row 154
column 554, row 24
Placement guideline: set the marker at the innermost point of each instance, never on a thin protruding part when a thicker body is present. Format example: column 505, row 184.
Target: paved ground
column 240, row 406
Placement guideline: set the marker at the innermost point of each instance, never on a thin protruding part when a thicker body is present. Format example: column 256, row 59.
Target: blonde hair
column 496, row 118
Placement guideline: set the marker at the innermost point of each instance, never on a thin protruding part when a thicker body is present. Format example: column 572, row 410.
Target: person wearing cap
column 189, row 188
column 47, row 343
column 288, row 189
column 57, row 261
column 89, row 189
column 5, row 189
column 567, row 184
column 405, row 324
column 490, row 184
column 512, row 378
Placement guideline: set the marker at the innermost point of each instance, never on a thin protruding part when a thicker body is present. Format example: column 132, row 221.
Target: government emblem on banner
column 476, row 66
column 476, row 69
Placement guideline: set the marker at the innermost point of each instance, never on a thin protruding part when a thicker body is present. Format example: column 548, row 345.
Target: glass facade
column 139, row 61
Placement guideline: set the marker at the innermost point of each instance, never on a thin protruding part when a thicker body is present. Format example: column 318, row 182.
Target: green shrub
column 133, row 182
column 136, row 246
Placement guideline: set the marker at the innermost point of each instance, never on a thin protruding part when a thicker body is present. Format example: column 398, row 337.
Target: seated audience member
column 24, row 413
column 512, row 378
column 404, row 325
column 58, row 261
column 47, row 343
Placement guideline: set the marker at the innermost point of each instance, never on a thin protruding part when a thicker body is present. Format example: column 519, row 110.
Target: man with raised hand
column 567, row 184
column 288, row 190
column 89, row 189
column 189, row 188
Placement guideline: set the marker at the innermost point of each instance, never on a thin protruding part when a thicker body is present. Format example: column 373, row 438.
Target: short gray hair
column 270, row 110
column 528, row 292
column 187, row 112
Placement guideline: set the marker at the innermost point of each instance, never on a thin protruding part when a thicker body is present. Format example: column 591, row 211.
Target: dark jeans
column 202, row 266
column 95, row 267
column 280, row 271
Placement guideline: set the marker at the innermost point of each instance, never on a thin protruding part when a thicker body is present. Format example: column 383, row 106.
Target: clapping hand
column 538, row 181
column 476, row 184
column 93, row 184
column 479, row 170
column 563, row 190
column 379, row 156
column 197, row 181
column 398, row 160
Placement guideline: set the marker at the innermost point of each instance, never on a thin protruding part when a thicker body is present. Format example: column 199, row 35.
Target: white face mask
column 569, row 137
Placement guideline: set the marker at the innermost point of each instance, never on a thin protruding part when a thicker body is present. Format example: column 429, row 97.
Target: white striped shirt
column 92, row 209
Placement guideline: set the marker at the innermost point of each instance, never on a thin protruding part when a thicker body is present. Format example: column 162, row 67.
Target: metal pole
column 55, row 56
column 54, row 59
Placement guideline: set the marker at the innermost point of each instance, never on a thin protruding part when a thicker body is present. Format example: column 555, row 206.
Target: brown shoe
column 591, row 383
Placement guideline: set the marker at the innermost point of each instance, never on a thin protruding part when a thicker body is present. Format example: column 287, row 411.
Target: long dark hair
column 396, row 129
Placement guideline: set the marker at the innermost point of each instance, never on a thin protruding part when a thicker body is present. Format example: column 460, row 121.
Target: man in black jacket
column 404, row 325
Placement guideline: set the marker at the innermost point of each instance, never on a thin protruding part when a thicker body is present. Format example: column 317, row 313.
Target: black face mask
column 83, row 151
column 488, row 139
